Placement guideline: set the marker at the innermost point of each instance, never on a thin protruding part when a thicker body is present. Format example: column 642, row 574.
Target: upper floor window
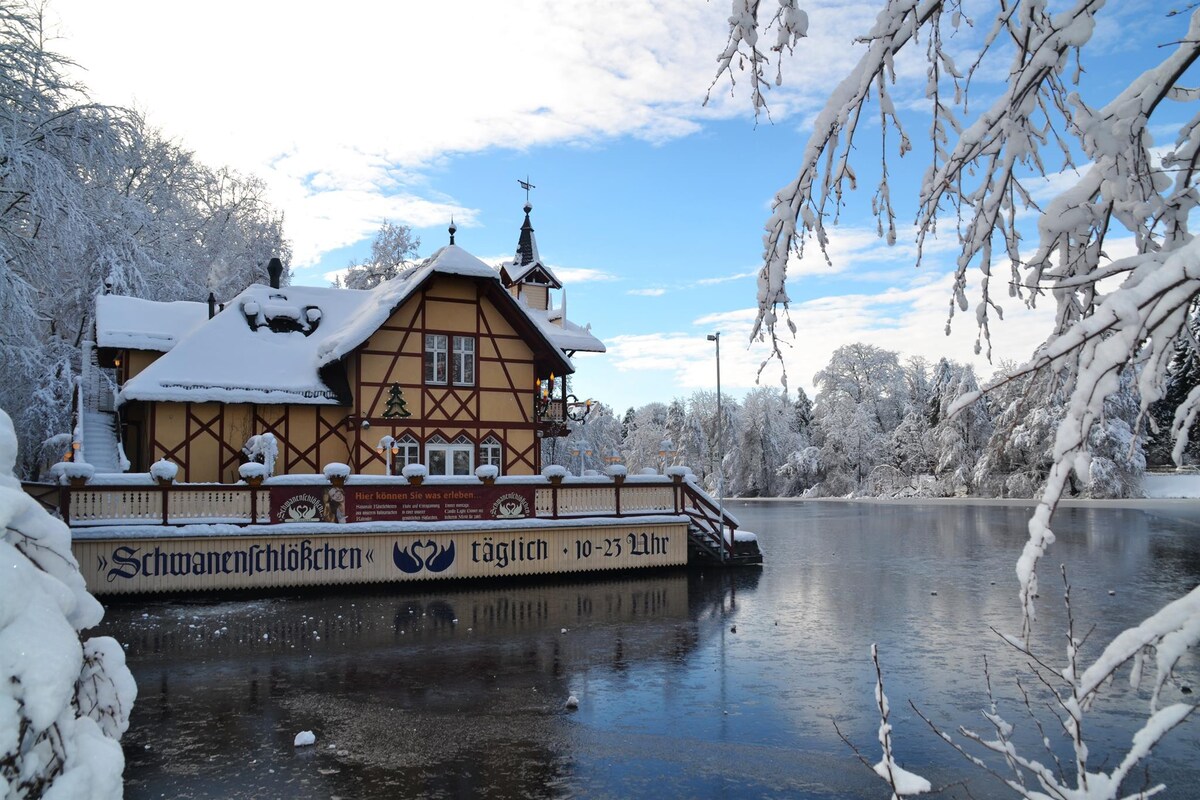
column 462, row 366
column 435, row 357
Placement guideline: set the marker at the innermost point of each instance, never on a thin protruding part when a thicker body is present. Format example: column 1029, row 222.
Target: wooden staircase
column 712, row 533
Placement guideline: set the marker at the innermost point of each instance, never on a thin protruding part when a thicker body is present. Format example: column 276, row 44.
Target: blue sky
column 648, row 204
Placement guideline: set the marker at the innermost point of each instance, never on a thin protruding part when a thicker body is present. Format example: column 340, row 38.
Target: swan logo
column 301, row 508
column 423, row 555
column 510, row 506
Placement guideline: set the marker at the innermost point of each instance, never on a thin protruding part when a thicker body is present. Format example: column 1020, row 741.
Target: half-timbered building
column 451, row 364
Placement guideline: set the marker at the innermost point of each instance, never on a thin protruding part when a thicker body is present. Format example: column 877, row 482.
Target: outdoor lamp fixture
column 614, row 457
column 667, row 451
column 578, row 410
column 388, row 447
column 581, row 448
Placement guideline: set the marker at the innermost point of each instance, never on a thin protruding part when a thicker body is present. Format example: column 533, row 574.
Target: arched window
column 410, row 451
column 491, row 452
column 453, row 458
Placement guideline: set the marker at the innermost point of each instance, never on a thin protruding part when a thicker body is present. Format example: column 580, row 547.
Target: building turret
column 526, row 277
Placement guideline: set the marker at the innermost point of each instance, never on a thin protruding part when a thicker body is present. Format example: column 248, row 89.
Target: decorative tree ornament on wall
column 396, row 407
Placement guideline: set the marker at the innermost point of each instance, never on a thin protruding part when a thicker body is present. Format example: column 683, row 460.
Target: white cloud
column 342, row 114
column 572, row 275
column 909, row 319
column 726, row 278
column 647, row 292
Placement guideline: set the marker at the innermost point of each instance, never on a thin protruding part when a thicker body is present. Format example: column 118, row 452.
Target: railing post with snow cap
column 165, row 505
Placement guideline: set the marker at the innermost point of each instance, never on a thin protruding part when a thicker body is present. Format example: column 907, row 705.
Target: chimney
column 212, row 305
column 275, row 270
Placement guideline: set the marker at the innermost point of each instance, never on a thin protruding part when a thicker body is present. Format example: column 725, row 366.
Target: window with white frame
column 409, row 452
column 435, row 357
column 491, row 453
column 453, row 458
column 462, row 367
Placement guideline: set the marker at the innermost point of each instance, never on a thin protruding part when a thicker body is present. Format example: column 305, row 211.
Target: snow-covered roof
column 566, row 336
column 130, row 322
column 297, row 331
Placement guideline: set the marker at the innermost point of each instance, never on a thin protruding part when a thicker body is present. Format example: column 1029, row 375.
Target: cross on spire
column 526, row 185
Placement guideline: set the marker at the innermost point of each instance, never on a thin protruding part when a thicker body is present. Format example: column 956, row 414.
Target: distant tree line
column 93, row 198
column 879, row 426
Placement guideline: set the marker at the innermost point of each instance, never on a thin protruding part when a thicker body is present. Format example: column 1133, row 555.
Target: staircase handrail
column 710, row 518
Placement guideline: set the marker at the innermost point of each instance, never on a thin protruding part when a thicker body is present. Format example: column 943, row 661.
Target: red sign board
column 437, row 503
column 400, row 503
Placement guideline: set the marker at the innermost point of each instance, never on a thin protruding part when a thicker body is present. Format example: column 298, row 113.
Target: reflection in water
column 690, row 684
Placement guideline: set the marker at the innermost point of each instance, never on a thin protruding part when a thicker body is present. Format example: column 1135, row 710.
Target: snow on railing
column 177, row 504
column 166, row 505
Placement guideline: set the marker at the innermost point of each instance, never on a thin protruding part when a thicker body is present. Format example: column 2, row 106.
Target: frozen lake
column 459, row 690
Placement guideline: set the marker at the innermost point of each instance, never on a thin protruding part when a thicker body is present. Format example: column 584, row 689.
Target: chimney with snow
column 275, row 270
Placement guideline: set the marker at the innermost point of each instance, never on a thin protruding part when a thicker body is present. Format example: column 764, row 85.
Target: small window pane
column 463, row 363
column 462, row 462
column 435, row 358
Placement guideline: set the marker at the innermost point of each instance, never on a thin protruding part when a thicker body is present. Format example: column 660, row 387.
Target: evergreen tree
column 397, row 408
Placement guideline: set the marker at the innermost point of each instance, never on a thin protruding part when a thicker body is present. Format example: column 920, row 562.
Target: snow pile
column 618, row 471
column 64, row 703
column 78, row 469
column 304, row 739
column 487, row 472
column 336, row 469
column 414, row 471
column 252, row 469
column 554, row 471
column 164, row 471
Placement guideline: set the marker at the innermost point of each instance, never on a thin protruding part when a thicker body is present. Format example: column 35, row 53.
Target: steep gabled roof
column 285, row 345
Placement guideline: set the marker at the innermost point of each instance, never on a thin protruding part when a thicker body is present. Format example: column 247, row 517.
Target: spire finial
column 453, row 229
column 526, row 185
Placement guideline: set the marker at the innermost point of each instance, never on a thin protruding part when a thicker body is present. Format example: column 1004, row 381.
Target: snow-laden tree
column 693, row 443
column 1113, row 314
column 90, row 198
column 1183, row 375
column 861, row 398
column 962, row 436
column 392, row 252
column 868, row 376
column 764, row 439
column 64, row 700
column 645, row 440
column 1115, row 455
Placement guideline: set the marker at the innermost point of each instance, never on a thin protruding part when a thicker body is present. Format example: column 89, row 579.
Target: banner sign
column 400, row 503
column 120, row 565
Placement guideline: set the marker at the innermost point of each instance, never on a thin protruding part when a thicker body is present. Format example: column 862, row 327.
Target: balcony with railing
column 368, row 499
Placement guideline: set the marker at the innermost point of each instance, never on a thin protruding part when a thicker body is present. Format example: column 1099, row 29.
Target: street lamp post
column 716, row 337
column 667, row 453
column 388, row 447
column 581, row 448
